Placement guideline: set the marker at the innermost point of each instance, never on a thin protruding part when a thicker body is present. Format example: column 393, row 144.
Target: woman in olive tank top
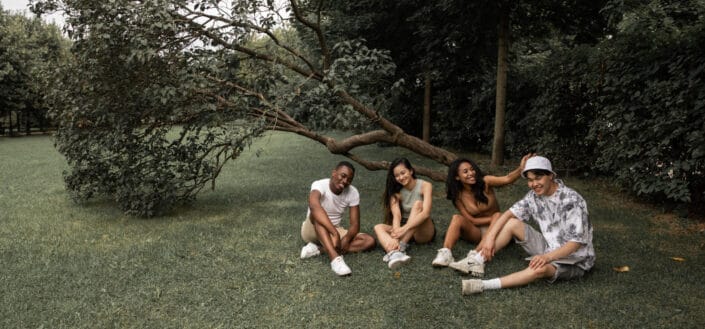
column 407, row 212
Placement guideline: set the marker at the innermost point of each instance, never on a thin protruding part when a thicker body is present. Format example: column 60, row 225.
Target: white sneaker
column 339, row 267
column 443, row 258
column 472, row 286
column 397, row 259
column 469, row 265
column 310, row 250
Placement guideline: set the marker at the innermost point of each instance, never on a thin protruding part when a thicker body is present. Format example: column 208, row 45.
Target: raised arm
column 511, row 177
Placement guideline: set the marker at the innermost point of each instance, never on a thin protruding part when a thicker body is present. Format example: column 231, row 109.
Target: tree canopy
column 30, row 52
column 163, row 93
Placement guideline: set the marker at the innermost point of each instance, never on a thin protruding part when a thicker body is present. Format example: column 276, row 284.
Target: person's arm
column 486, row 247
column 565, row 250
column 477, row 221
column 511, row 177
column 320, row 217
column 396, row 211
column 353, row 230
column 416, row 218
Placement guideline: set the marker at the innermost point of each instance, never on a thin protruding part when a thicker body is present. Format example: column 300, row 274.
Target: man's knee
column 542, row 272
column 368, row 241
column 516, row 227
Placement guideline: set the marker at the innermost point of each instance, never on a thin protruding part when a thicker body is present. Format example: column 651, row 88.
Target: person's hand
column 345, row 244
column 392, row 245
column 398, row 232
column 524, row 159
column 539, row 261
column 486, row 248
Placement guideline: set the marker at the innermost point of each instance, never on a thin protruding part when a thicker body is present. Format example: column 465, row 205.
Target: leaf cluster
column 139, row 118
column 30, row 51
column 652, row 118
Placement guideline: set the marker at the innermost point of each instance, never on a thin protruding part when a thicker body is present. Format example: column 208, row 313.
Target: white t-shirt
column 335, row 205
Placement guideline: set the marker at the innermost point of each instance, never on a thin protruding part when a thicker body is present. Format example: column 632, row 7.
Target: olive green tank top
column 409, row 197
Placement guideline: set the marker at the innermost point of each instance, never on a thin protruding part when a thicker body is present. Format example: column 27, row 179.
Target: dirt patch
column 672, row 224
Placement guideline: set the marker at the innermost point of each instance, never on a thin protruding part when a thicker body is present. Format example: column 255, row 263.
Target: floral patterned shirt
column 562, row 217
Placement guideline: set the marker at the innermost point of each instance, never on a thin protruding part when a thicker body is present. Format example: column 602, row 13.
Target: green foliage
column 155, row 141
column 559, row 106
column 630, row 107
column 30, row 51
column 650, row 128
column 357, row 70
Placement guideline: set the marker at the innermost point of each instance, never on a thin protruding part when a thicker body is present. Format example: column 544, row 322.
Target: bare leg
column 326, row 241
column 362, row 242
column 383, row 232
column 460, row 227
column 514, row 228
column 527, row 276
column 422, row 228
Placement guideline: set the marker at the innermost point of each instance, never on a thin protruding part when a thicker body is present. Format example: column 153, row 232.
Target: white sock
column 491, row 284
column 402, row 246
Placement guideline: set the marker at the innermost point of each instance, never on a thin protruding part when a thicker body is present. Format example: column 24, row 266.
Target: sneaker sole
column 459, row 269
column 397, row 264
column 309, row 255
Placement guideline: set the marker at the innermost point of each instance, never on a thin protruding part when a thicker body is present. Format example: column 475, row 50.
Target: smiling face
column 466, row 174
column 402, row 174
column 341, row 178
column 541, row 184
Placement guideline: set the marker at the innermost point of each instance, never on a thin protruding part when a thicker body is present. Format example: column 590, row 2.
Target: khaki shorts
column 308, row 231
column 535, row 244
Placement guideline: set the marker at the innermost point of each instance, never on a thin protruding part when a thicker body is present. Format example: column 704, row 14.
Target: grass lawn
column 231, row 259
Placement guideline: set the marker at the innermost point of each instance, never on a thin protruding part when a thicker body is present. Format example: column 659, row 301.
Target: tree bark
column 427, row 109
column 501, row 96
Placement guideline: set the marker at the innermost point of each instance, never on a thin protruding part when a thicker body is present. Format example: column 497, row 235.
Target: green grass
column 231, row 258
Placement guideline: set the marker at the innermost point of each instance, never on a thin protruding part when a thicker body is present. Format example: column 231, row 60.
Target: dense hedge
column 631, row 108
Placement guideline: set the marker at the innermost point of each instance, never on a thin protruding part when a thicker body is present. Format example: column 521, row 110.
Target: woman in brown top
column 472, row 194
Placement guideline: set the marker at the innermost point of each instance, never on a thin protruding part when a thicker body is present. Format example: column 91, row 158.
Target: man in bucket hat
column 562, row 249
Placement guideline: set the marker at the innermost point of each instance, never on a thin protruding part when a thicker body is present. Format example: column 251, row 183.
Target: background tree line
column 609, row 87
column 30, row 50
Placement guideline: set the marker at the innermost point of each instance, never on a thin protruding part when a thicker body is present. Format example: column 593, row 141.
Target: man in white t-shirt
column 327, row 202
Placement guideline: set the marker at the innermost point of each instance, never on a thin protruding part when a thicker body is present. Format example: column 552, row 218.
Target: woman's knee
column 456, row 221
column 381, row 228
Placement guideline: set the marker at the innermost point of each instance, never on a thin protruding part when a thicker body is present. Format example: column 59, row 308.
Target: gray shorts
column 535, row 244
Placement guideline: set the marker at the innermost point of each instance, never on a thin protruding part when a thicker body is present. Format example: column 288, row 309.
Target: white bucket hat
column 537, row 162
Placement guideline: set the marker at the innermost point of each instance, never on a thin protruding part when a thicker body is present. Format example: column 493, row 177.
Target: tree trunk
column 9, row 125
column 427, row 109
column 501, row 99
column 27, row 123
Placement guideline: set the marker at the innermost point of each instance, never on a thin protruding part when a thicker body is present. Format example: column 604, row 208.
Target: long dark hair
column 454, row 186
column 392, row 187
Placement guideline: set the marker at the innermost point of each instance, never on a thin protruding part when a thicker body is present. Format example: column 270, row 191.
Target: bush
column 650, row 128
